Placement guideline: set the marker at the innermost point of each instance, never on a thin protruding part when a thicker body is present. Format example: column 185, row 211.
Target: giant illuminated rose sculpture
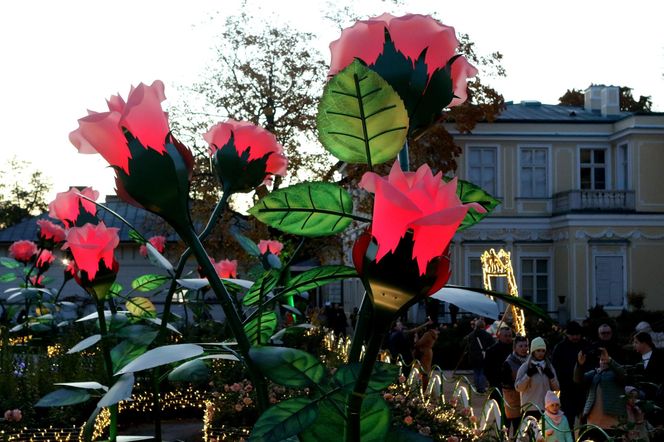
column 70, row 208
column 419, row 201
column 92, row 247
column 244, row 155
column 415, row 54
column 152, row 168
column 23, row 251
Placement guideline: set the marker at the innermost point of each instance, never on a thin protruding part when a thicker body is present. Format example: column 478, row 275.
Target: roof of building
column 144, row 221
column 536, row 112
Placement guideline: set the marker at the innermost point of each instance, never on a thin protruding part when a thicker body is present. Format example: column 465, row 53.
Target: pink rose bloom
column 141, row 114
column 67, row 205
column 411, row 35
column 92, row 244
column 418, row 201
column 225, row 268
column 267, row 245
column 37, row 281
column 247, row 401
column 236, row 387
column 158, row 242
column 45, row 258
column 238, row 407
column 248, row 137
column 49, row 231
column 23, row 251
column 408, row 420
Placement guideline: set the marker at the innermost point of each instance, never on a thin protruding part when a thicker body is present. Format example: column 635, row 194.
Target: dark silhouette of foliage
column 23, row 192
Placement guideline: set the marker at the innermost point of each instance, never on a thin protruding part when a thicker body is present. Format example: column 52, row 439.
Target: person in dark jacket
column 477, row 343
column 511, row 397
column 496, row 355
column 650, row 374
column 564, row 359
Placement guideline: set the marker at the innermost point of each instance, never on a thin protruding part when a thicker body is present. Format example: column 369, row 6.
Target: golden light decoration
column 499, row 265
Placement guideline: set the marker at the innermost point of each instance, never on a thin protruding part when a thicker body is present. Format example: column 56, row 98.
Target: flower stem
column 108, row 362
column 363, row 321
column 404, row 160
column 232, row 317
column 354, row 407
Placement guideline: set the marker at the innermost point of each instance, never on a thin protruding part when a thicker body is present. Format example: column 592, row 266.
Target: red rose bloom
column 225, row 268
column 37, row 281
column 50, row 232
column 45, row 259
column 418, row 201
column 158, row 242
column 23, row 251
column 67, row 206
column 411, row 35
column 244, row 155
column 271, row 246
column 152, row 168
column 92, row 244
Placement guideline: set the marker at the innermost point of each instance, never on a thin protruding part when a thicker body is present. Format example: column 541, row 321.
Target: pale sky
column 58, row 59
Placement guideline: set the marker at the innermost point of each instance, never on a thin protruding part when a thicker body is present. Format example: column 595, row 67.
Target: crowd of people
column 584, row 388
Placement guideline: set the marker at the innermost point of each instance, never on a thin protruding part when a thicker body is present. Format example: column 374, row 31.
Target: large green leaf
column 141, row 307
column 8, row 277
column 284, row 419
column 63, row 396
column 470, row 193
column 306, row 209
column 266, row 323
column 138, row 333
column 162, row 356
column 85, row 343
column 375, row 419
column 288, row 366
column 261, row 288
column 361, row 119
column 317, row 277
column 248, row 245
column 147, row 283
column 125, row 352
column 383, row 376
column 191, row 371
column 120, row 391
column 10, row 263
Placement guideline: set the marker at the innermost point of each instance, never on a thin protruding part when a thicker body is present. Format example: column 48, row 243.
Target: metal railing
column 594, row 200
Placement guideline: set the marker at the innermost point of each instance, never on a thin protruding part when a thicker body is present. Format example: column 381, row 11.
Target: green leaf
column 125, row 352
column 141, row 307
column 134, row 235
column 266, row 322
column 147, row 283
column 284, row 419
column 162, row 356
column 85, row 343
column 138, row 334
column 306, row 209
column 10, row 263
column 470, row 193
column 317, row 277
column 120, row 391
column 383, row 376
column 115, row 290
column 361, row 118
column 288, row 366
column 191, row 371
column 8, row 277
column 261, row 288
column 62, row 397
column 375, row 419
column 248, row 245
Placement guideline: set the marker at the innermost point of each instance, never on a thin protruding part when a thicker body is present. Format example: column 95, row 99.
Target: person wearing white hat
column 535, row 377
column 556, row 428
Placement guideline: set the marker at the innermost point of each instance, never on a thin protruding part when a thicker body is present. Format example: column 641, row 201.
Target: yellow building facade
column 582, row 191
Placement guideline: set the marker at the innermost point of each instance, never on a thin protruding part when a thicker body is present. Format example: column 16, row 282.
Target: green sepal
column 286, row 366
column 361, row 118
column 317, row 277
column 260, row 329
column 248, row 245
column 306, row 209
column 382, row 376
column 471, row 193
column 235, row 172
column 284, row 419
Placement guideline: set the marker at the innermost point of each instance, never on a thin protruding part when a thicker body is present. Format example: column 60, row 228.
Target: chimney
column 593, row 98
column 610, row 101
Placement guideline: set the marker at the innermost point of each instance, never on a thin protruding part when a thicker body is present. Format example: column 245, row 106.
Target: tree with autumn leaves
column 575, row 97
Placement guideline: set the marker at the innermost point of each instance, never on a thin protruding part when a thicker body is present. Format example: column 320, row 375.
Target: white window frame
column 599, row 251
column 548, row 172
column 607, row 164
column 623, row 167
column 549, row 288
column 498, row 176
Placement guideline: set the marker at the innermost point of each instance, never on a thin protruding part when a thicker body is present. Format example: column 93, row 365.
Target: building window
column 475, row 275
column 482, row 169
column 533, row 171
column 593, row 166
column 535, row 281
column 609, row 281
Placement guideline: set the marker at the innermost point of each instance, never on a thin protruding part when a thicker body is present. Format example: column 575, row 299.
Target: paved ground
column 186, row 430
